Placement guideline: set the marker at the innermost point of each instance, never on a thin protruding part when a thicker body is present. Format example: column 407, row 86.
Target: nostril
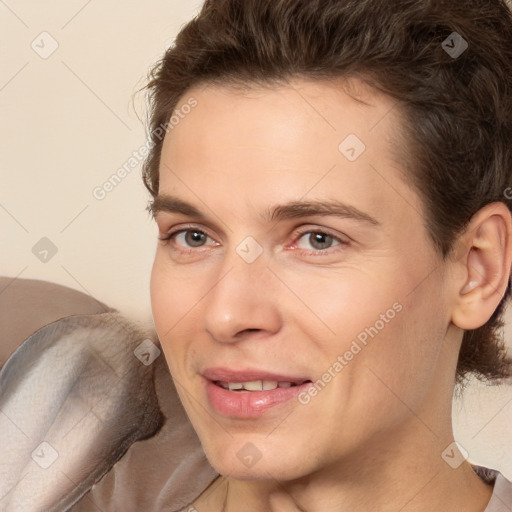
column 248, row 330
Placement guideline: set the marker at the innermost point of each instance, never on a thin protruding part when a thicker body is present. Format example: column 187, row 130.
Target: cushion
column 26, row 305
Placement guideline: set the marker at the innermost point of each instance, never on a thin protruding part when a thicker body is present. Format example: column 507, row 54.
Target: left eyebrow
column 291, row 210
column 296, row 209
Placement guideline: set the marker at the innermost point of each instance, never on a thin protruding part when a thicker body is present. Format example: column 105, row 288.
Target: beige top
column 501, row 500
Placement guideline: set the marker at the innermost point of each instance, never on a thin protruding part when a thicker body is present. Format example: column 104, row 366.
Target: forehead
column 331, row 139
column 330, row 109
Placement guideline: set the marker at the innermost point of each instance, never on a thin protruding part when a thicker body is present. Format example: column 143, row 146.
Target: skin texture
column 372, row 439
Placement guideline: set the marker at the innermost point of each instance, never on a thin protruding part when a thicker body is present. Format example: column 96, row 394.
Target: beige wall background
column 69, row 70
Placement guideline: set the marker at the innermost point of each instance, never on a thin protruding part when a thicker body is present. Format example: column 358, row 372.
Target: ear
column 484, row 259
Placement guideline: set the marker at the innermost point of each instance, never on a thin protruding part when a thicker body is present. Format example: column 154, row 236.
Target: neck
column 402, row 478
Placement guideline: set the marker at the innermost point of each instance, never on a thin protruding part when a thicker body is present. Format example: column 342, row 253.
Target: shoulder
column 501, row 500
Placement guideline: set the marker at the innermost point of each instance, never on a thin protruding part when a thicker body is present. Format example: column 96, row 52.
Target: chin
column 248, row 457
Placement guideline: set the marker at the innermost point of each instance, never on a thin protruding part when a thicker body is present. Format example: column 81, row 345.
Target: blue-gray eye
column 317, row 240
column 193, row 238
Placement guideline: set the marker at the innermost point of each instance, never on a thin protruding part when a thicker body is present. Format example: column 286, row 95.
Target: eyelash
column 169, row 236
column 297, row 235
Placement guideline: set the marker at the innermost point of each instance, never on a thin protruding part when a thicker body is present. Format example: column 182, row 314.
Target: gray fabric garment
column 163, row 473
column 73, row 399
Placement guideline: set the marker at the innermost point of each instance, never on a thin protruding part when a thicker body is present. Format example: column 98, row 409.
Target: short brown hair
column 457, row 109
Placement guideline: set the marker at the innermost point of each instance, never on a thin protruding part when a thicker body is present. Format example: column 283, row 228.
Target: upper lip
column 228, row 375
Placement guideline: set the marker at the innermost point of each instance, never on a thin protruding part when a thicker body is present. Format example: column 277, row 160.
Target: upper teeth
column 255, row 385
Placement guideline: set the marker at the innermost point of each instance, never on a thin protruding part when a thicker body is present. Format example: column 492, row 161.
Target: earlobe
column 486, row 262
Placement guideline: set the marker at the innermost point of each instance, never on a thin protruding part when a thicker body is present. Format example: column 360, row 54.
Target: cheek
column 172, row 302
column 173, row 293
column 373, row 320
column 398, row 362
column 162, row 296
column 338, row 305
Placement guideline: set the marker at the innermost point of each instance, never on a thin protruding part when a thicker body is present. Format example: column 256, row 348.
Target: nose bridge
column 243, row 297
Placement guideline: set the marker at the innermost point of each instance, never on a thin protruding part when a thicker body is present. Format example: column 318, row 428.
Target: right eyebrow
column 171, row 204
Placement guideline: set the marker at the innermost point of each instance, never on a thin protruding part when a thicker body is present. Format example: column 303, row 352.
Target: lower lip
column 249, row 404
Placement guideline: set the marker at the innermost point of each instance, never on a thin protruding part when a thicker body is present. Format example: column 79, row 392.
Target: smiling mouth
column 258, row 385
column 250, row 393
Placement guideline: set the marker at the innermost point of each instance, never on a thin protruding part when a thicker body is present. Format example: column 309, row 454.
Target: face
column 299, row 275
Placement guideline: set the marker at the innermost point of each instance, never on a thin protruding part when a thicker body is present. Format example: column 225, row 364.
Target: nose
column 244, row 301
